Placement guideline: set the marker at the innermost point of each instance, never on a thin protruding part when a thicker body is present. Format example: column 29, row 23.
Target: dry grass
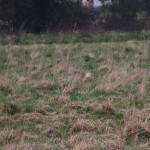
column 106, row 108
column 85, row 146
column 51, row 133
column 78, row 139
column 21, row 146
column 135, row 128
column 10, row 136
column 83, row 125
column 59, row 99
column 44, row 85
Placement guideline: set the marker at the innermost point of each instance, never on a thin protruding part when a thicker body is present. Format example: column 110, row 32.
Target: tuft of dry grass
column 118, row 76
column 20, row 146
column 136, row 127
column 10, row 109
column 104, row 68
column 135, row 131
column 77, row 139
column 108, row 127
column 22, row 81
column 85, row 146
column 35, row 55
column 59, row 99
column 44, row 85
column 107, row 108
column 5, row 84
column 10, row 136
column 51, row 133
column 69, row 90
column 83, row 125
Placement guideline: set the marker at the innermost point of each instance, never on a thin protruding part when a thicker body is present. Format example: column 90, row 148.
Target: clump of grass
column 118, row 76
column 59, row 99
column 51, row 133
column 28, row 108
column 5, row 89
column 116, row 57
column 107, row 126
column 10, row 136
column 69, row 89
column 101, row 59
column 77, row 107
column 87, row 58
column 135, row 128
column 19, row 146
column 104, row 68
column 4, row 86
column 83, row 125
column 129, row 49
column 10, row 109
column 23, row 80
column 43, row 108
column 106, row 108
column 3, row 60
column 85, row 146
column 35, row 55
column 44, row 85
column 135, row 131
column 77, row 139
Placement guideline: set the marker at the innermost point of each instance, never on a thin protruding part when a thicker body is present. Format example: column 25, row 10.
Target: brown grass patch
column 10, row 109
column 105, row 107
column 134, row 132
column 31, row 117
column 85, row 146
column 10, row 136
column 35, row 55
column 107, row 127
column 59, row 99
column 135, row 128
column 22, row 81
column 44, row 85
column 77, row 107
column 79, row 138
column 69, row 90
column 51, row 133
column 83, row 125
column 20, row 146
column 104, row 68
column 5, row 85
column 118, row 76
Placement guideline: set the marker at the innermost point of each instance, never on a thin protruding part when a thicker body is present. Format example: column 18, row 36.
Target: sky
column 96, row 2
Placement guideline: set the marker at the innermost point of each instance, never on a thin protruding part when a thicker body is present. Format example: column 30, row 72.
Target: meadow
column 46, row 105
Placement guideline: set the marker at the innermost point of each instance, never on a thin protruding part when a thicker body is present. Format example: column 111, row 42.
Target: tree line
column 58, row 15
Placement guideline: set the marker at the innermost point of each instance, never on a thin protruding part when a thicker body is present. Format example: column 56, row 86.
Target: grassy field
column 46, row 103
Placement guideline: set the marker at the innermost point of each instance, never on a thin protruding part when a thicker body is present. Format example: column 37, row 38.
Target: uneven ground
column 46, row 105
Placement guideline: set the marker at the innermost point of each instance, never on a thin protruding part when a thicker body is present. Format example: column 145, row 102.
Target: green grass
column 27, row 39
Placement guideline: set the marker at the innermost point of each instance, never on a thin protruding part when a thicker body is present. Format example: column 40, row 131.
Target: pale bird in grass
column 87, row 76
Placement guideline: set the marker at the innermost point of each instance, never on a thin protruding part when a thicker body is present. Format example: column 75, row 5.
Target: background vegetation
column 63, row 15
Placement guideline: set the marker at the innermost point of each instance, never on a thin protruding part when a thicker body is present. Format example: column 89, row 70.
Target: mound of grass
column 10, row 109
column 83, row 125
